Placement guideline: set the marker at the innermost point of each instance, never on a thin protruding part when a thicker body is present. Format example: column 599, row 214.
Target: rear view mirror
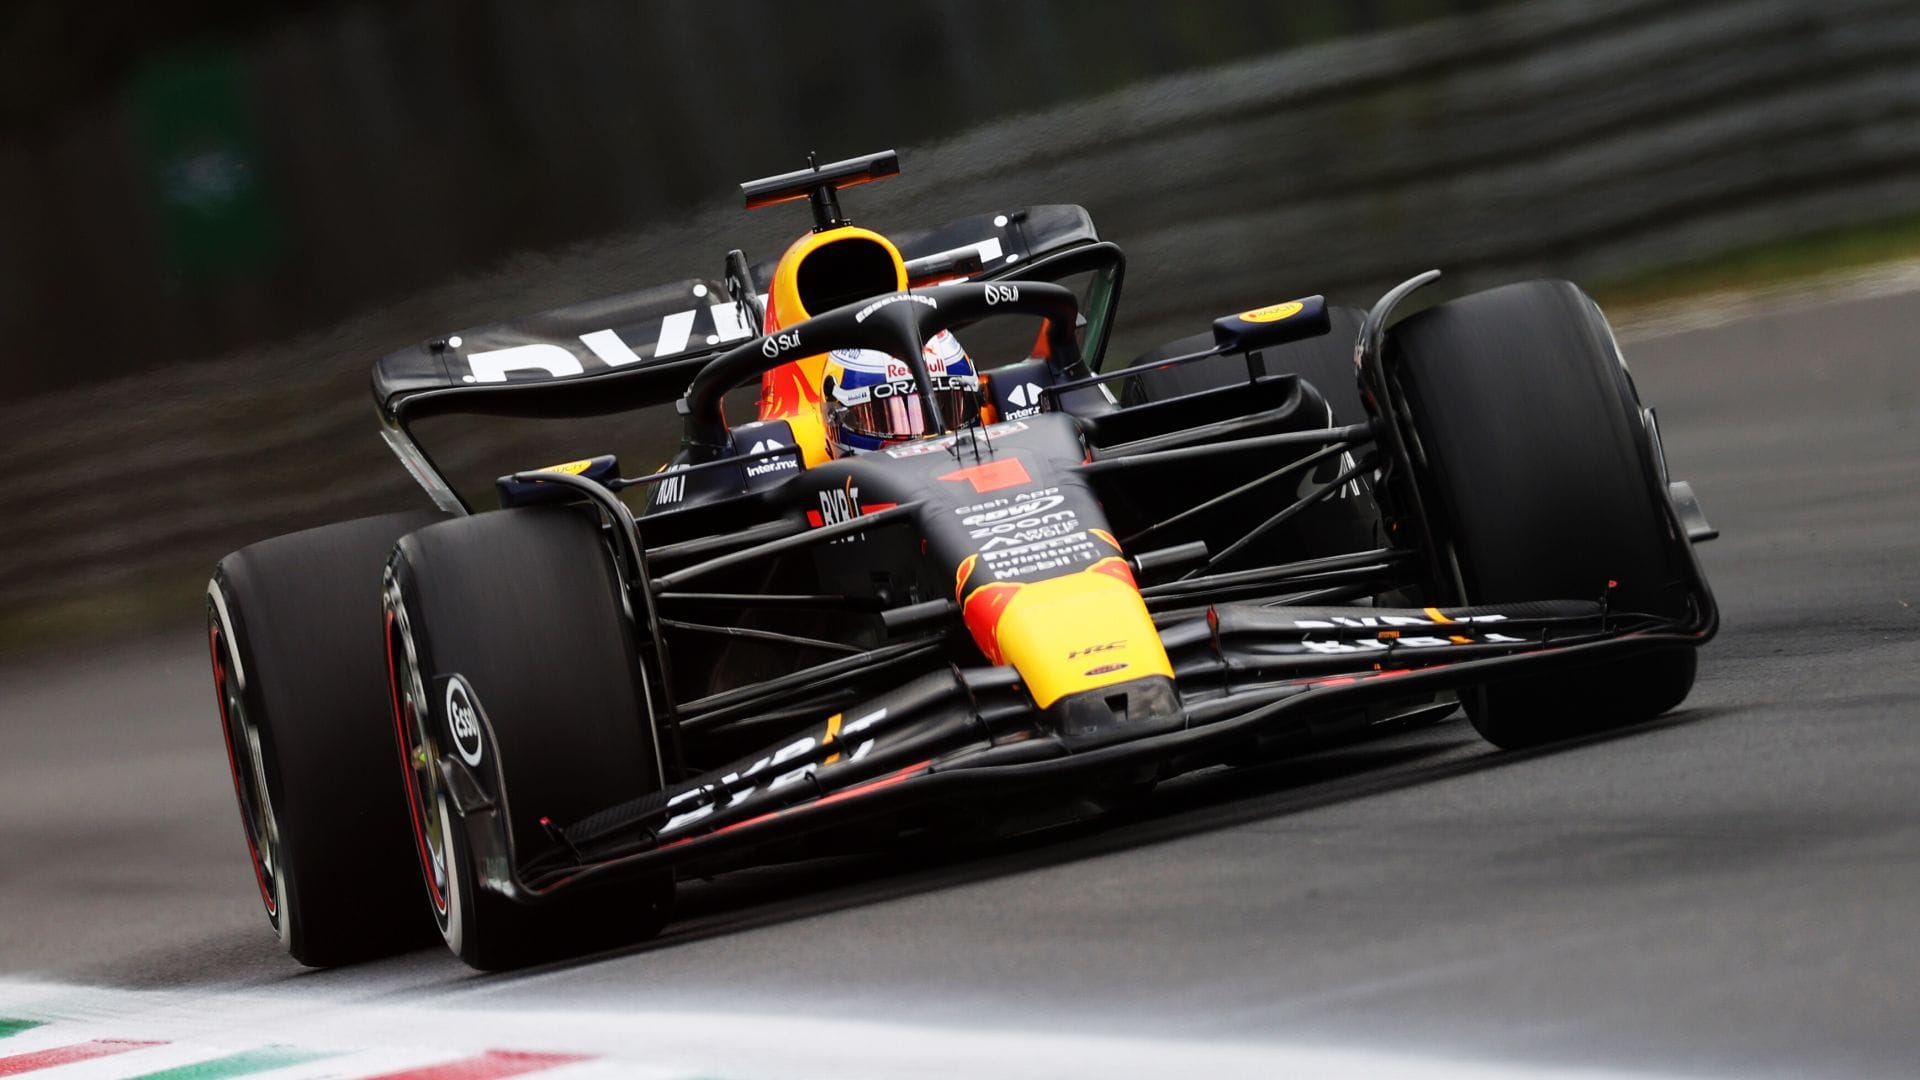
column 1275, row 324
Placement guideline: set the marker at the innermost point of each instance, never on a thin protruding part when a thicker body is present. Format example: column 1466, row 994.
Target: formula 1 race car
column 927, row 588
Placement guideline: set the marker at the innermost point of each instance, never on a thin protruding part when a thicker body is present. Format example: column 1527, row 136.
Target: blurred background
column 221, row 212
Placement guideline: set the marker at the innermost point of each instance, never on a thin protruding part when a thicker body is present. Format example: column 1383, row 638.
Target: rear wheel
column 300, row 677
column 524, row 605
column 1536, row 469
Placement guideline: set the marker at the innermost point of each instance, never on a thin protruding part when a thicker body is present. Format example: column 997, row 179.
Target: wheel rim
column 419, row 750
column 246, row 761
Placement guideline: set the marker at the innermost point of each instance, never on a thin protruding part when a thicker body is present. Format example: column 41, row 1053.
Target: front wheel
column 523, row 606
column 1535, row 468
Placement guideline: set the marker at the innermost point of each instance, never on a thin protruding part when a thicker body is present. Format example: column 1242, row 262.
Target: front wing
column 1244, row 673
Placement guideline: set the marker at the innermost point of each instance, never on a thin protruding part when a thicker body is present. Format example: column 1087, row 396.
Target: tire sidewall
column 225, row 617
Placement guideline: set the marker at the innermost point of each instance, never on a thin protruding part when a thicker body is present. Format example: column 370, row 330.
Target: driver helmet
column 872, row 400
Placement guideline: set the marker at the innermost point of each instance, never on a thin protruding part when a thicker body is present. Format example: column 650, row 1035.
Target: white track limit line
column 234, row 1033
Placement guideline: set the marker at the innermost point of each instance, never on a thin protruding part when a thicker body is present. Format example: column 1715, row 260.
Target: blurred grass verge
column 1763, row 266
column 165, row 598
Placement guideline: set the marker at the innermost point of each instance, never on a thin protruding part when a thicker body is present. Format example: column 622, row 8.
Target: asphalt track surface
column 1733, row 889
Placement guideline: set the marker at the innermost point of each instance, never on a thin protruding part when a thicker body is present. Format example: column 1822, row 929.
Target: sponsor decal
column 801, row 747
column 839, row 505
column 941, row 350
column 843, row 504
column 929, row 446
column 1335, row 648
column 574, row 468
column 1108, row 646
column 1103, row 669
column 1024, row 505
column 493, row 366
column 907, row 386
column 676, row 332
column 777, row 464
column 1026, row 534
column 915, row 449
column 1026, row 400
column 1002, row 294
column 773, row 465
column 675, row 336
column 671, row 490
column 1272, row 312
column 1036, row 557
column 1365, row 622
column 1038, row 521
column 1393, row 636
column 914, row 298
column 463, row 721
column 778, row 343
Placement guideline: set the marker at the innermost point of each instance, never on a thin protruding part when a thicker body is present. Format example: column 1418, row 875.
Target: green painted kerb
column 15, row 1027
column 242, row 1064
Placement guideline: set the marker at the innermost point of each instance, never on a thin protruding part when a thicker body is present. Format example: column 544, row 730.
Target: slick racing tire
column 301, row 681
column 1326, row 362
column 1537, row 472
column 524, row 606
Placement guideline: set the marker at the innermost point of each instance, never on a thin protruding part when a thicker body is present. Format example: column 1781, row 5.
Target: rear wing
column 599, row 356
column 642, row 348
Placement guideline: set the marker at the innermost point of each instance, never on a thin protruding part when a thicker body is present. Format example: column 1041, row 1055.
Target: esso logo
column 463, row 722
column 777, row 343
column 1002, row 294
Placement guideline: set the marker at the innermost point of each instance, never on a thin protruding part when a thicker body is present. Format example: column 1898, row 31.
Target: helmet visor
column 902, row 416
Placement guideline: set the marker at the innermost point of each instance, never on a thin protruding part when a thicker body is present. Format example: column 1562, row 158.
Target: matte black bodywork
column 881, row 707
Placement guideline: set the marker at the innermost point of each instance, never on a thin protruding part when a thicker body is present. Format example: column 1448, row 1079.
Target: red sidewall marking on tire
column 214, row 638
column 414, row 817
